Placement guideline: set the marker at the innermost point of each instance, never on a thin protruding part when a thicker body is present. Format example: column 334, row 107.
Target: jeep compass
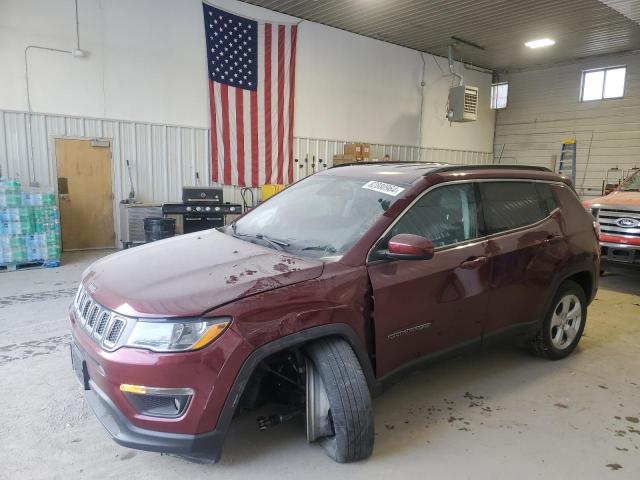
column 321, row 296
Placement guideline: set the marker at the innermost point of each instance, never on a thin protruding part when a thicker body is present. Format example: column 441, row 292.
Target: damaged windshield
column 320, row 216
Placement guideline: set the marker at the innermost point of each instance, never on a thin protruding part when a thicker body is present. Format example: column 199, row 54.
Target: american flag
column 251, row 92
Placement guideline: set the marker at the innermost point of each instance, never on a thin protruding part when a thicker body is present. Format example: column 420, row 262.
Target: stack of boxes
column 29, row 225
column 353, row 152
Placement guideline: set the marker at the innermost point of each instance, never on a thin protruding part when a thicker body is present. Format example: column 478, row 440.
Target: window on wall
column 499, row 92
column 603, row 83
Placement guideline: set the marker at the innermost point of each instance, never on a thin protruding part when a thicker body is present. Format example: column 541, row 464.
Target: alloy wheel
column 566, row 321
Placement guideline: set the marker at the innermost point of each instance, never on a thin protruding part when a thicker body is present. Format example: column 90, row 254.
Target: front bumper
column 619, row 255
column 205, row 446
column 209, row 372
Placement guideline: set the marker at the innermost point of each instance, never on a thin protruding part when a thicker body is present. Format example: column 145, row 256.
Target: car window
column 321, row 216
column 445, row 215
column 546, row 194
column 509, row 205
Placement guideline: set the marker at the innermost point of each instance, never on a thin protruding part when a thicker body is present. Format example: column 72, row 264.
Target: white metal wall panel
column 163, row 158
column 544, row 109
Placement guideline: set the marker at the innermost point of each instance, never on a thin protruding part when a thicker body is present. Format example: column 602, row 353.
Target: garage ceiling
column 581, row 28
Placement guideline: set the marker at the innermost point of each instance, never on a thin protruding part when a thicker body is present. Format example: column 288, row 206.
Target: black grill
column 102, row 325
column 115, row 331
column 159, row 405
column 104, row 319
column 91, row 320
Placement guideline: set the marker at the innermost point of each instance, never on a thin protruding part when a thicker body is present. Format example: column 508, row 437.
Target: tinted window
column 546, row 194
column 509, row 205
column 446, row 215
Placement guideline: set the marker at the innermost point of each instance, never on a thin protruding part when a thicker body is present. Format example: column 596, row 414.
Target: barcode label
column 382, row 187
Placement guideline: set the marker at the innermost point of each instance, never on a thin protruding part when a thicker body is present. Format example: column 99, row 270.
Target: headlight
column 176, row 336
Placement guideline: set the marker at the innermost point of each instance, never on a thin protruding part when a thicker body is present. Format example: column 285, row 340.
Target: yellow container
column 269, row 190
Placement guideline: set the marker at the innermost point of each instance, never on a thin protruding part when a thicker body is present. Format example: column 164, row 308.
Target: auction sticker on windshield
column 382, row 187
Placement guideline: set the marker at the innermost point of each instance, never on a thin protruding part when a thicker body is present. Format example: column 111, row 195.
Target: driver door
column 424, row 307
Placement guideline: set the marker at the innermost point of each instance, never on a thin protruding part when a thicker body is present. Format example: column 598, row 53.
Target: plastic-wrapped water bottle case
column 29, row 224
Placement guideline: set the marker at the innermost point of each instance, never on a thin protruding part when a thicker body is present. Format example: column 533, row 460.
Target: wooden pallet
column 12, row 267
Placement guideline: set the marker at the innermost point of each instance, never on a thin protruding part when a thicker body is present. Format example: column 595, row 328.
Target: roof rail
column 413, row 162
column 448, row 167
column 502, row 166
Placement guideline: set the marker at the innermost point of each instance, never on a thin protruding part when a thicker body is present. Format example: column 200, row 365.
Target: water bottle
column 6, row 249
column 48, row 199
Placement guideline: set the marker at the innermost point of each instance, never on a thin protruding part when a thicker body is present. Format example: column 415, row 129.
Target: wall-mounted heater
column 463, row 104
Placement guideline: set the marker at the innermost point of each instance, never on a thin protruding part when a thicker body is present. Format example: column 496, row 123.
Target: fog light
column 142, row 390
column 158, row 401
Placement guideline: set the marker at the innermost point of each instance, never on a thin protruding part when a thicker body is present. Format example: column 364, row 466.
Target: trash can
column 157, row 228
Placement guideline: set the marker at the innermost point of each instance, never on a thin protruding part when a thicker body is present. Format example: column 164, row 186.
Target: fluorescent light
column 543, row 42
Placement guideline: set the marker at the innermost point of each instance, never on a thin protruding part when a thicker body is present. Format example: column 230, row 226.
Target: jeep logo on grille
column 627, row 222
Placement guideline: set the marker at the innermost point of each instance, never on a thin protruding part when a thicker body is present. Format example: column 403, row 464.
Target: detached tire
column 348, row 434
column 564, row 323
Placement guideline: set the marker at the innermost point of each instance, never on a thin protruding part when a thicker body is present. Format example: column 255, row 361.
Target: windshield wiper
column 280, row 244
column 325, row 248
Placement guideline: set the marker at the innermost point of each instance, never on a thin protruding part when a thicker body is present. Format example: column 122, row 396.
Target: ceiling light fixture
column 543, row 42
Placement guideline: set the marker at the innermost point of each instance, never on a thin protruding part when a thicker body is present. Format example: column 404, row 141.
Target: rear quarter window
column 509, row 205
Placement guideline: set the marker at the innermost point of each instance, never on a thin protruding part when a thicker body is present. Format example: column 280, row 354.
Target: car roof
column 408, row 172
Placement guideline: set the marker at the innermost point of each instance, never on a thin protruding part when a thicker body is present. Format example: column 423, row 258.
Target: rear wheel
column 563, row 326
column 338, row 410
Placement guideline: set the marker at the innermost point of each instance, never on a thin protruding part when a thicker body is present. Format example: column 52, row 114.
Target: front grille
column 621, row 221
column 114, row 331
column 102, row 325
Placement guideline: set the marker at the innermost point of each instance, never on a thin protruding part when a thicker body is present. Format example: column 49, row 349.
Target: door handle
column 473, row 262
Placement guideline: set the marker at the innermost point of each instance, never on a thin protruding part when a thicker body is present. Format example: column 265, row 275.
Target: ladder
column 567, row 164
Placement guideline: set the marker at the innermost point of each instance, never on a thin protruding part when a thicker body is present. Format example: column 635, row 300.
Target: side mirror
column 406, row 246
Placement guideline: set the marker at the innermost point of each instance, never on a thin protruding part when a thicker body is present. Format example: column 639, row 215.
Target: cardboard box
column 353, row 149
column 365, row 150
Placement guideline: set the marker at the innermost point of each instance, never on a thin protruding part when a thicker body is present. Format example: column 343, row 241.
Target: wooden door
column 85, row 194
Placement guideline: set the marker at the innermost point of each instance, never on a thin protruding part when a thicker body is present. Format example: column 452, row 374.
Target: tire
column 563, row 324
column 350, row 435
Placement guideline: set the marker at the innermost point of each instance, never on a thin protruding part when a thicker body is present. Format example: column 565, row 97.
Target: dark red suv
column 319, row 297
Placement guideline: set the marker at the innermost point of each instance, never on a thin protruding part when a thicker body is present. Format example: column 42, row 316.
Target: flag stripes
column 251, row 90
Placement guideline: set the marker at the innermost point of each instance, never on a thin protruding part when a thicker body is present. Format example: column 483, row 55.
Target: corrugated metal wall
column 544, row 109
column 163, row 158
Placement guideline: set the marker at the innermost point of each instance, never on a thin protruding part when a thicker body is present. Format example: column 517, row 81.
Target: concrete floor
column 501, row 414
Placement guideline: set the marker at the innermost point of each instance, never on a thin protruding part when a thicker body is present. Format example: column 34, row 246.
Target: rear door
column 422, row 307
column 526, row 244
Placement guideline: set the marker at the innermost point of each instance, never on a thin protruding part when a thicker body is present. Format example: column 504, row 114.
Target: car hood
column 191, row 274
column 617, row 198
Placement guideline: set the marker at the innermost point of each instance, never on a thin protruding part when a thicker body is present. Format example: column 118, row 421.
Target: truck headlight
column 176, row 336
